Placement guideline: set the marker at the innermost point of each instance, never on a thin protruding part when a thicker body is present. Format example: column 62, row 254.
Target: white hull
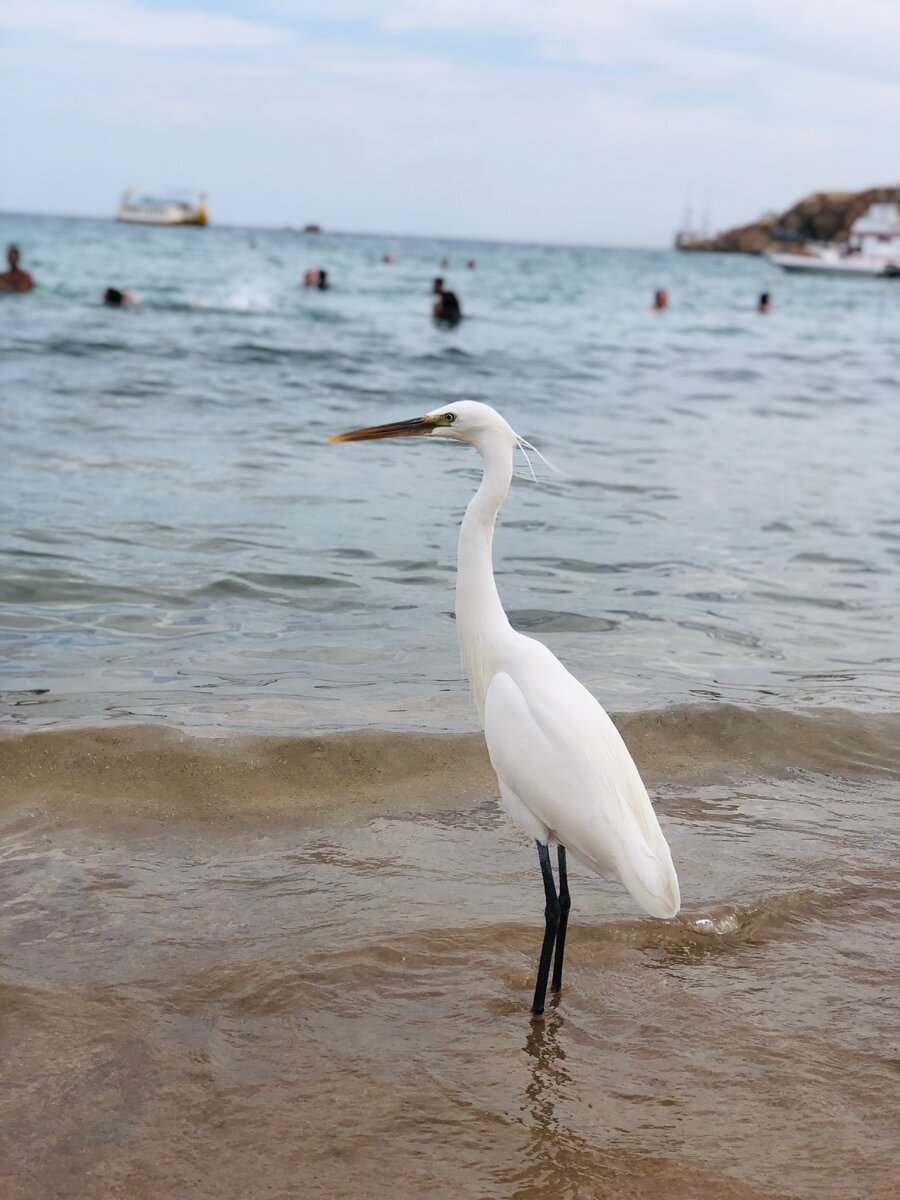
column 812, row 264
column 144, row 211
column 139, row 218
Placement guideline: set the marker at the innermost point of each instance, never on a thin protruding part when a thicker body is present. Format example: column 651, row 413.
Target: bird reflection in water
column 548, row 1071
column 551, row 1162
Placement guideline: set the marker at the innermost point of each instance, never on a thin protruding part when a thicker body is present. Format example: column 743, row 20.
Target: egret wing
column 559, row 754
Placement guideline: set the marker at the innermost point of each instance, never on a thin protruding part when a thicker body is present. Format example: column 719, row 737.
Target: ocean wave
column 154, row 770
column 267, row 353
column 541, row 620
column 689, row 938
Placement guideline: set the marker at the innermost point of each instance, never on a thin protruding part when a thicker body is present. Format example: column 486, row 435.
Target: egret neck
column 481, row 623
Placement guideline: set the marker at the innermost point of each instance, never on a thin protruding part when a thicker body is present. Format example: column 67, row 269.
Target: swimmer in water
column 15, row 279
column 660, row 300
column 116, row 299
column 446, row 307
column 762, row 305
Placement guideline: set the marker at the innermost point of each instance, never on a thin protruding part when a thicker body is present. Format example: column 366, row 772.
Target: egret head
column 461, row 421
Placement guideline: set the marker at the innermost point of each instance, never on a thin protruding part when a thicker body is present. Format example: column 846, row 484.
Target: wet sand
column 278, row 967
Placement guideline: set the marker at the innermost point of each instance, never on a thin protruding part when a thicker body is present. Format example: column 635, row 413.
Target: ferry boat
column 153, row 210
column 872, row 248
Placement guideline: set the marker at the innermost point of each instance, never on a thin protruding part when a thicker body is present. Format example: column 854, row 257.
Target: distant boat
column 154, row 210
column 834, row 260
column 872, row 248
column 687, row 237
column 687, row 234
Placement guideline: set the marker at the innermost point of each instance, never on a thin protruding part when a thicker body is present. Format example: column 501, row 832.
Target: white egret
column 565, row 774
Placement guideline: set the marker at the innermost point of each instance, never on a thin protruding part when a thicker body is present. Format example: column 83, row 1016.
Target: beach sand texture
column 302, row 967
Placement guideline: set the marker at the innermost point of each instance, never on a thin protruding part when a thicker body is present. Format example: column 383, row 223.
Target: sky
column 585, row 121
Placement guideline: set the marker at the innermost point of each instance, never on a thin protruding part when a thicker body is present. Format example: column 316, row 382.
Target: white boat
column 832, row 260
column 151, row 210
column 872, row 248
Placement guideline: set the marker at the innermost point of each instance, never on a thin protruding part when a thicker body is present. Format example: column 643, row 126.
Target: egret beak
column 415, row 427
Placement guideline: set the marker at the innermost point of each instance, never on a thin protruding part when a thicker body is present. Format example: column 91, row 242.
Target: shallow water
column 215, row 986
column 183, row 544
column 286, row 945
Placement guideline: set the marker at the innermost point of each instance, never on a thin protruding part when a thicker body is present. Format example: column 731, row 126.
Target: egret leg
column 551, row 918
column 565, row 903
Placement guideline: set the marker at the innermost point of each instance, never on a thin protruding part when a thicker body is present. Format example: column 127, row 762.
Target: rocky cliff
column 820, row 217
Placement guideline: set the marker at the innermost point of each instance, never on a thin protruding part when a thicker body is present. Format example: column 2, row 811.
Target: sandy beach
column 281, row 967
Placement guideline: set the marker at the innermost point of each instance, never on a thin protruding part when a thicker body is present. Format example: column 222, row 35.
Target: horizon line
column 323, row 232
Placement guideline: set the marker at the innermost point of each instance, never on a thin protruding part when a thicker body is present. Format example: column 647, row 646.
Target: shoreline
column 152, row 770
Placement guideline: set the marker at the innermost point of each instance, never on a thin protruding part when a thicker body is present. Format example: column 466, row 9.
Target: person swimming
column 446, row 307
column 660, row 299
column 762, row 304
column 15, row 279
column 116, row 299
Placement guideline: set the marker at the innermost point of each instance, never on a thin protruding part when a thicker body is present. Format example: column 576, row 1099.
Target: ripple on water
column 173, row 983
column 537, row 620
column 180, row 446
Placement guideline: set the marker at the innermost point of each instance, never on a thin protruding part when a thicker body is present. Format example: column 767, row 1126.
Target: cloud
column 578, row 121
column 123, row 23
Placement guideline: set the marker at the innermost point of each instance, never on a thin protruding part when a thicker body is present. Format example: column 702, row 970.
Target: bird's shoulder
column 552, row 693
column 531, row 661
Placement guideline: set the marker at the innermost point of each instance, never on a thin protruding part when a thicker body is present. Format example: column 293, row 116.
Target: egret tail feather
column 652, row 884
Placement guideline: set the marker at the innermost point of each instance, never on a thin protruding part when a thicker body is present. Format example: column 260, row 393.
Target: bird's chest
column 481, row 659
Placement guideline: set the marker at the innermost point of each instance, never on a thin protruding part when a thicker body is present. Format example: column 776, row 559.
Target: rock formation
column 820, row 217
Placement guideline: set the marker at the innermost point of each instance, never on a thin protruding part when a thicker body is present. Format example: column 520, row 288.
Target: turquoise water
column 181, row 542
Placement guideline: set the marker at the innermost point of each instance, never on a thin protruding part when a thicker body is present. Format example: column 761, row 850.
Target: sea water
column 182, row 543
column 266, row 929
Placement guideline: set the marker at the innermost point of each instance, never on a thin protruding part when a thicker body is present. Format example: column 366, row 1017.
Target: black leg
column 565, row 903
column 551, row 917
